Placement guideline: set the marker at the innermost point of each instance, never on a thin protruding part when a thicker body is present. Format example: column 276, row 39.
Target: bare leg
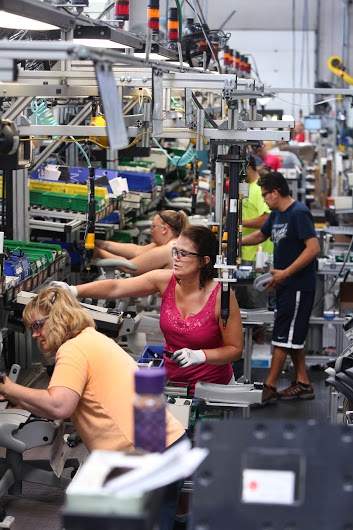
column 298, row 360
column 279, row 356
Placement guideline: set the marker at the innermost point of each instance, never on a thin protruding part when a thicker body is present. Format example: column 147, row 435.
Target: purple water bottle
column 149, row 410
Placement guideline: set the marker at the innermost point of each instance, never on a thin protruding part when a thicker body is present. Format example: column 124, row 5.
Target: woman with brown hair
column 201, row 348
column 165, row 228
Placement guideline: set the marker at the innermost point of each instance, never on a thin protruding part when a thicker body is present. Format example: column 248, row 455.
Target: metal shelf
column 342, row 230
column 53, row 226
column 70, row 214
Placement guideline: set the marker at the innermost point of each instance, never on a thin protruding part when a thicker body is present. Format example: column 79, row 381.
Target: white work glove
column 66, row 286
column 186, row 357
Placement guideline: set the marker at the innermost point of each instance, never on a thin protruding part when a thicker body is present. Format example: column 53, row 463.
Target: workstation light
column 103, row 36
column 157, row 53
column 33, row 15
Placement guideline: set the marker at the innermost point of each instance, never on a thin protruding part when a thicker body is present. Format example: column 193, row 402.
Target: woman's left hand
column 186, row 357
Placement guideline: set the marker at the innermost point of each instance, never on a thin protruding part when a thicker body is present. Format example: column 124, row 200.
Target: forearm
column 223, row 355
column 254, row 239
column 302, row 261
column 105, row 289
column 38, row 402
column 125, row 250
column 257, row 222
column 100, row 253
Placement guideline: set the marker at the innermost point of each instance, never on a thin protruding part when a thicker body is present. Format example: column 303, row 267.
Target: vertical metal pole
column 20, row 205
column 333, row 405
column 7, row 204
column 232, row 217
column 247, row 353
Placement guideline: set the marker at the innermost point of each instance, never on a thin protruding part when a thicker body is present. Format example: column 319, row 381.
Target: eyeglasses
column 177, row 253
column 153, row 225
column 38, row 324
column 263, row 195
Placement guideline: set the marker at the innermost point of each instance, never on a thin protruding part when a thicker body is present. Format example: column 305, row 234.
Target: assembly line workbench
column 256, row 317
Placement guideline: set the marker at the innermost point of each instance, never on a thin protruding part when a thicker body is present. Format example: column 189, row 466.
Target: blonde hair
column 66, row 317
column 178, row 221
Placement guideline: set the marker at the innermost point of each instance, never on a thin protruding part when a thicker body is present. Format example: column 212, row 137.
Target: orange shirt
column 102, row 373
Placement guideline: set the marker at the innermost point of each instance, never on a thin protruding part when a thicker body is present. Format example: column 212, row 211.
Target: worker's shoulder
column 161, row 275
column 301, row 208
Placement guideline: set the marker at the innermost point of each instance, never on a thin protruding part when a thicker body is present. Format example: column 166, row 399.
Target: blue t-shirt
column 288, row 230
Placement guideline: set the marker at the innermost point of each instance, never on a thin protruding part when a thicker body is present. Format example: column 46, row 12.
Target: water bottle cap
column 150, row 381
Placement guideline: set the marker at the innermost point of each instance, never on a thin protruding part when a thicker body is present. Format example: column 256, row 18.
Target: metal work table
column 255, row 317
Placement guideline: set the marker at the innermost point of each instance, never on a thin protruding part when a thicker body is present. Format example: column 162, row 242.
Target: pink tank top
column 196, row 332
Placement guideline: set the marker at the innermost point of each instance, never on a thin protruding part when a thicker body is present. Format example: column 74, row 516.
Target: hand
column 66, row 286
column 186, row 357
column 278, row 277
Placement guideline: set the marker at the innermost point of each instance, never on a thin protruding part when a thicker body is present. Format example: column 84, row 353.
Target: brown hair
column 178, row 221
column 274, row 180
column 206, row 244
column 66, row 317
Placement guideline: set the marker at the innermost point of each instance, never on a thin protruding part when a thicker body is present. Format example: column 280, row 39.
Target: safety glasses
column 37, row 325
column 178, row 253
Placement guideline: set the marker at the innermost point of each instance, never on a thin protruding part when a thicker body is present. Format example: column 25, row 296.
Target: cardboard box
column 346, row 298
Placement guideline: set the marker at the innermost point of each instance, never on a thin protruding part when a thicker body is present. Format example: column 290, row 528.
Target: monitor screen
column 312, row 123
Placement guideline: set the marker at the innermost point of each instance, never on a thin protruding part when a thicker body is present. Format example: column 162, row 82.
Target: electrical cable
column 180, row 21
column 200, row 11
column 183, row 160
column 105, row 11
column 207, row 116
column 202, row 24
column 274, row 95
column 293, row 54
column 45, row 117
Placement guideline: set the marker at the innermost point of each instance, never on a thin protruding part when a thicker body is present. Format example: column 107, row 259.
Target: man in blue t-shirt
column 291, row 228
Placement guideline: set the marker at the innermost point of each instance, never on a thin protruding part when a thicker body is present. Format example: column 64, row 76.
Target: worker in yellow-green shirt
column 255, row 212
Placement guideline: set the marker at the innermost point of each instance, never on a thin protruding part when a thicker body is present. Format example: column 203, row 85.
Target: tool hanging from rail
column 91, row 217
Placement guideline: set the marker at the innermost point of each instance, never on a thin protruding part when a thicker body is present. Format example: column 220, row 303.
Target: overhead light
column 104, row 37
column 33, row 15
column 158, row 52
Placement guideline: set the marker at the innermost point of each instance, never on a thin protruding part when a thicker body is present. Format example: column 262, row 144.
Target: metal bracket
column 112, row 104
column 157, row 105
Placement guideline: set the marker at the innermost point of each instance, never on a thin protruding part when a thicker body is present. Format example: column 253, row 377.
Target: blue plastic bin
column 151, row 352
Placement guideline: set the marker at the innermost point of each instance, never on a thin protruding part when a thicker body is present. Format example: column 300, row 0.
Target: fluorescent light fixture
column 33, row 15
column 158, row 52
column 104, row 37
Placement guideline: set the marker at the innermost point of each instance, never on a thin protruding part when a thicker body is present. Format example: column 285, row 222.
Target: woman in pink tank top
column 190, row 315
column 202, row 349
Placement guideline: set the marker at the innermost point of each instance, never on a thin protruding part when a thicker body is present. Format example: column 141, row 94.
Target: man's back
column 288, row 230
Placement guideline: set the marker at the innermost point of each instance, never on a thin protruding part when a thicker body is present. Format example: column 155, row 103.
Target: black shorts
column 292, row 318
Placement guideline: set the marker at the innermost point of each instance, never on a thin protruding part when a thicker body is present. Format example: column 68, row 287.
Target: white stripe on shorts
column 292, row 324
